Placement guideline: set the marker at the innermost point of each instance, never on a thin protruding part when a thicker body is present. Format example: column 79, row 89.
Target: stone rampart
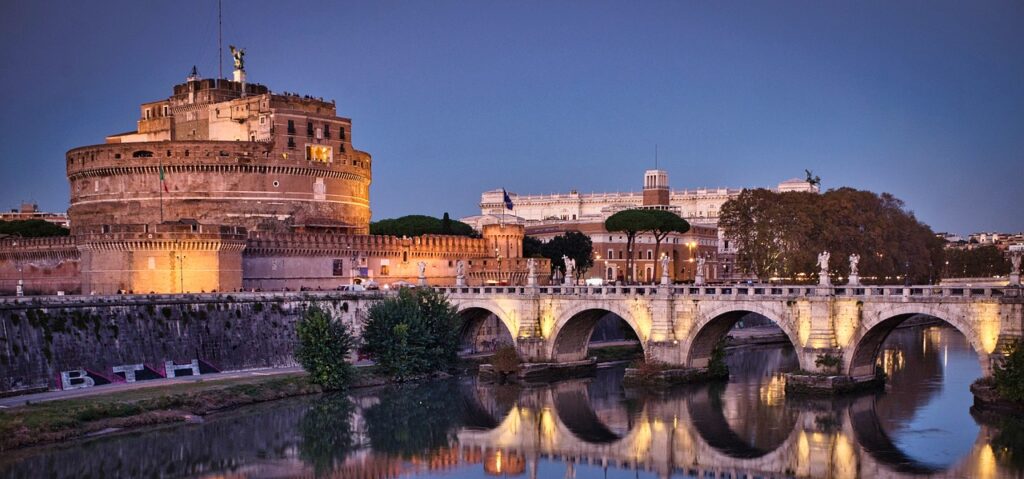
column 41, row 338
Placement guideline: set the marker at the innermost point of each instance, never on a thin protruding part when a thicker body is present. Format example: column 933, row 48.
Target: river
column 921, row 426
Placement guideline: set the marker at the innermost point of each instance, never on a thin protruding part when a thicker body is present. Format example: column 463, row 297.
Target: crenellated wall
column 46, row 265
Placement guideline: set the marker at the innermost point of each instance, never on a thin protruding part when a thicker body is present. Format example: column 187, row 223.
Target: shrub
column 506, row 361
column 412, row 334
column 716, row 365
column 828, row 361
column 323, row 349
column 1009, row 376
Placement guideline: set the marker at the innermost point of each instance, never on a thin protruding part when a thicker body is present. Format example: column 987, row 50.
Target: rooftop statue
column 239, row 55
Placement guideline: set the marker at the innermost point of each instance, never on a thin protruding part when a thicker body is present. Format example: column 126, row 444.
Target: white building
column 699, row 206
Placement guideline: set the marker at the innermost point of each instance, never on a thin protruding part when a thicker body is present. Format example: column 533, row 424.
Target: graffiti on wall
column 130, row 373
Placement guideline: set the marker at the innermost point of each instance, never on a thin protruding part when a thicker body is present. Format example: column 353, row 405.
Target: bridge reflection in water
column 746, row 428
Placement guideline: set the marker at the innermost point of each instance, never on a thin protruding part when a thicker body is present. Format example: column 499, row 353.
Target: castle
column 225, row 186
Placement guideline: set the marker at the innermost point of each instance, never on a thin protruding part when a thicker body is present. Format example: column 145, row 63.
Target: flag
column 162, row 182
column 506, row 199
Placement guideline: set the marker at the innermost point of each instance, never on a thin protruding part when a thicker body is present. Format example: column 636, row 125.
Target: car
column 352, row 288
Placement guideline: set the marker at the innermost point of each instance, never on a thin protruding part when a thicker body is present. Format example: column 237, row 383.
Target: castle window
column 327, row 131
column 291, row 142
column 291, row 127
column 341, row 133
column 149, row 113
column 142, row 154
column 338, row 267
column 168, row 153
column 186, row 152
column 117, row 156
column 263, row 119
column 167, row 110
column 383, row 270
column 341, row 148
column 309, row 128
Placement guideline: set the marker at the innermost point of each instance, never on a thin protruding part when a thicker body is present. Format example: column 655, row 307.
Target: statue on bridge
column 460, row 273
column 1015, row 254
column 664, row 269
column 854, row 277
column 531, row 272
column 570, row 270
column 699, row 276
column 423, row 273
column 823, row 258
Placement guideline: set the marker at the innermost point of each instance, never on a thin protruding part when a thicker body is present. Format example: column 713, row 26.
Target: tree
column 780, row 235
column 419, row 225
column 32, row 229
column 661, row 224
column 630, row 223
column 323, row 349
column 1009, row 376
column 446, row 224
column 532, row 247
column 983, row 261
column 573, row 244
column 413, row 333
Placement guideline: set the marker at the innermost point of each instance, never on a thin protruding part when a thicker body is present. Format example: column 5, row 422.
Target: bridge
column 690, row 435
column 681, row 324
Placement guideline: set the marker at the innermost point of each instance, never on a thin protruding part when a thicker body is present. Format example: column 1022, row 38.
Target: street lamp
column 181, row 273
column 20, row 289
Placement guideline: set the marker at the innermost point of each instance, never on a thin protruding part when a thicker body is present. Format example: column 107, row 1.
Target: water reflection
column 587, row 428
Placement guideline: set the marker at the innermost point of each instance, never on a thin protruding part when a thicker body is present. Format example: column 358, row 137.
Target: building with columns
column 545, row 216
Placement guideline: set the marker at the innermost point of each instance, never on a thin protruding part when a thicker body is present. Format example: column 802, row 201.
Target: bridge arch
column 574, row 326
column 867, row 341
column 714, row 324
column 475, row 312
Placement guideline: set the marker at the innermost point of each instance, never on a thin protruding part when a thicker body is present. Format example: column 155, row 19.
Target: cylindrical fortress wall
column 247, row 184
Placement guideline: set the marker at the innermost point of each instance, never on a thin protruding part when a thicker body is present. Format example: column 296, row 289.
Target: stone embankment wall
column 40, row 338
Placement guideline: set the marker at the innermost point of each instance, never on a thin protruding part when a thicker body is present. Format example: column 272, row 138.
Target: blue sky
column 921, row 99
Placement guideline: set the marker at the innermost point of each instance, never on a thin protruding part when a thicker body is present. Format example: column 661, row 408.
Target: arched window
column 142, row 154
column 650, row 254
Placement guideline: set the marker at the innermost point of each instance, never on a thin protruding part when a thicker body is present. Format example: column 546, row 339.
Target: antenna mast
column 220, row 44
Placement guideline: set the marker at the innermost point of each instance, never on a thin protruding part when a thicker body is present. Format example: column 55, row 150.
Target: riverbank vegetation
column 412, row 334
column 59, row 420
column 323, row 350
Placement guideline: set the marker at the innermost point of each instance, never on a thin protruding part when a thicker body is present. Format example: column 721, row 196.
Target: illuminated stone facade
column 226, row 186
column 258, row 160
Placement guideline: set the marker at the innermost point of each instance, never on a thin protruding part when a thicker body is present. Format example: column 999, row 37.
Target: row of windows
column 325, row 132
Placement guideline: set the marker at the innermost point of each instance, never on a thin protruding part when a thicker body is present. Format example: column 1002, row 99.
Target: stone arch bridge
column 680, row 325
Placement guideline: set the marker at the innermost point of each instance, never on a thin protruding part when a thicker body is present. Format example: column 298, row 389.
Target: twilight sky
column 921, row 99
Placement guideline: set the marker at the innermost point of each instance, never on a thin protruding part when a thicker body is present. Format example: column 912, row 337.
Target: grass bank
column 64, row 419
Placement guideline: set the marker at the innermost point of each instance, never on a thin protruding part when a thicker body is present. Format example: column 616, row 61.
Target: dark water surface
column 920, row 427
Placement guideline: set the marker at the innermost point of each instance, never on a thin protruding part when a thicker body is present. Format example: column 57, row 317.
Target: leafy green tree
column 323, row 349
column 413, row 333
column 661, row 224
column 446, row 224
column 1009, row 376
column 32, row 229
column 630, row 223
column 573, row 244
column 419, row 225
column 532, row 247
